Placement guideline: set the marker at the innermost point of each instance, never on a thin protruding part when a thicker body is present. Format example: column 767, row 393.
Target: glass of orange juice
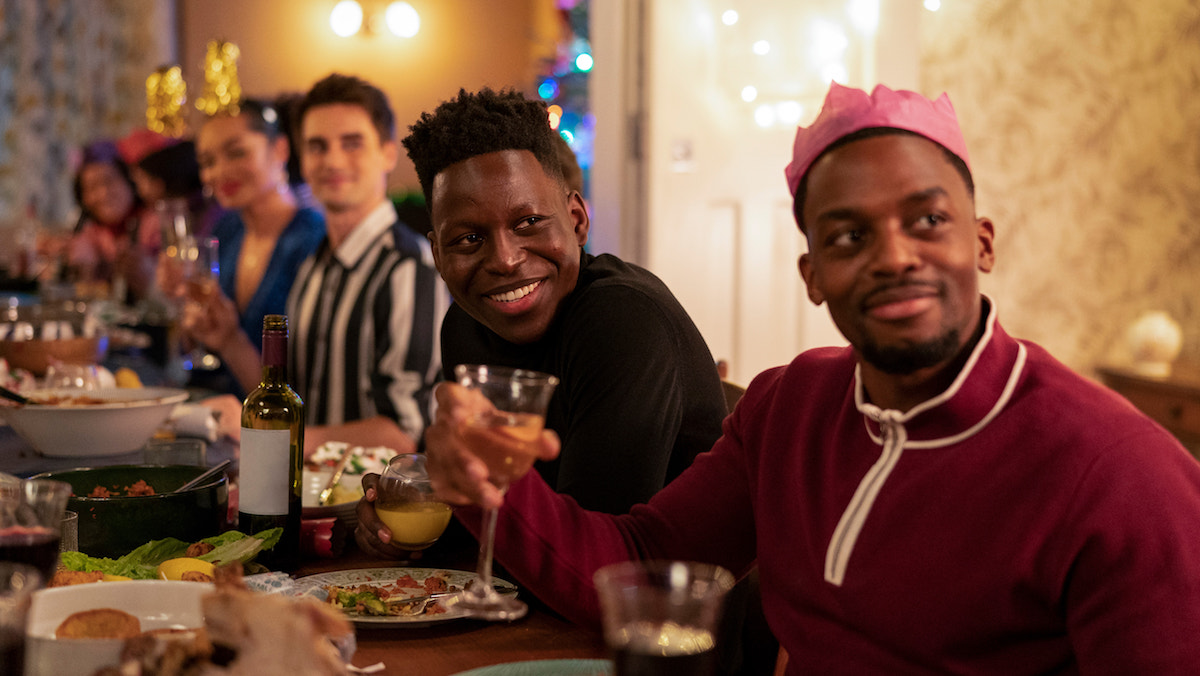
column 405, row 503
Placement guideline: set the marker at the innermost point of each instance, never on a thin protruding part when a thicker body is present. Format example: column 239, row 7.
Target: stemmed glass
column 202, row 281
column 194, row 264
column 190, row 262
column 505, row 436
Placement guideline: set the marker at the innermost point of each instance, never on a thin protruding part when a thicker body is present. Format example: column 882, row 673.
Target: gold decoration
column 166, row 94
column 222, row 91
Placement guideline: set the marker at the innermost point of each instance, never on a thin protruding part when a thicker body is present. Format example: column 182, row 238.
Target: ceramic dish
column 121, row 424
column 311, row 584
column 155, row 603
column 314, row 482
column 115, row 526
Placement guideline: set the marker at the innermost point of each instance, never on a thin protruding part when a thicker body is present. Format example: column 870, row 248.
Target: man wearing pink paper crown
column 938, row 496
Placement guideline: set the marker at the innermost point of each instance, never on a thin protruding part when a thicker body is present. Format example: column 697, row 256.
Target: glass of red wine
column 662, row 617
column 31, row 516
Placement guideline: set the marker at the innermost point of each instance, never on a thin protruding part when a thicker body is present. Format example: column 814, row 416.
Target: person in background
column 264, row 235
column 285, row 106
column 106, row 253
column 366, row 307
column 936, row 497
column 171, row 173
column 572, row 172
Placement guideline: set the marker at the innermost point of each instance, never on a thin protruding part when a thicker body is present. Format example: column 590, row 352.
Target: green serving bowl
column 115, row 526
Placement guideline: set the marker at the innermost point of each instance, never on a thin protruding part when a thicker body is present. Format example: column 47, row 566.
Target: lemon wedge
column 109, row 577
column 186, row 569
column 127, row 378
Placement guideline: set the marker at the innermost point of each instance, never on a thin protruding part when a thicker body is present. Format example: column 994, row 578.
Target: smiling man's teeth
column 515, row 294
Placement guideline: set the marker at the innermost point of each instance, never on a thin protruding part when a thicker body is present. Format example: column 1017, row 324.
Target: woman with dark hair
column 106, row 252
column 173, row 173
column 266, row 233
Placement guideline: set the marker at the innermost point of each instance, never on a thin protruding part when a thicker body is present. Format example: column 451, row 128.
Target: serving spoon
column 327, row 492
column 13, row 396
column 212, row 472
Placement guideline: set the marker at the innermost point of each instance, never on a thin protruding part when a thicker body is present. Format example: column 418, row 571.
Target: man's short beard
column 902, row 360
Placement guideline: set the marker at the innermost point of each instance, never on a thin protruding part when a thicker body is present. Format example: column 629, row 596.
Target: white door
column 688, row 177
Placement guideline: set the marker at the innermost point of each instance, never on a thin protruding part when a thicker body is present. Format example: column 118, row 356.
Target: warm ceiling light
column 402, row 20
column 346, row 18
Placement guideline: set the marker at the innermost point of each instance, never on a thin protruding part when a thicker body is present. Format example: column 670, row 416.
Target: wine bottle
column 272, row 445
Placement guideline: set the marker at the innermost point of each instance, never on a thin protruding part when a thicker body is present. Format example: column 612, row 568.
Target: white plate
column 156, row 604
column 385, row 576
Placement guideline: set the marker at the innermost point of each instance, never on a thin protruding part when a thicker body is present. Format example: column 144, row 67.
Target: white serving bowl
column 156, row 603
column 122, row 424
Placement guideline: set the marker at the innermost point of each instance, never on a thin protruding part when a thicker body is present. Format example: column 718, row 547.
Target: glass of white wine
column 505, row 436
column 201, row 272
column 405, row 503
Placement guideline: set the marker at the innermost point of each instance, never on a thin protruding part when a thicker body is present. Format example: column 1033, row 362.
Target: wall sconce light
column 401, row 19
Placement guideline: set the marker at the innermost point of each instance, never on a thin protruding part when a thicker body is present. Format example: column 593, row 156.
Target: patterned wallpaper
column 71, row 71
column 1083, row 124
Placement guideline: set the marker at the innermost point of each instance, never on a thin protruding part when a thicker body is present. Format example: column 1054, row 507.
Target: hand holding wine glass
column 190, row 271
column 505, row 433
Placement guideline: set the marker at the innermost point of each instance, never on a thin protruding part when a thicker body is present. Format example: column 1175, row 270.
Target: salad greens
column 140, row 564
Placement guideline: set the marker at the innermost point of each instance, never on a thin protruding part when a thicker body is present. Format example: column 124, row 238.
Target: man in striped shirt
column 366, row 308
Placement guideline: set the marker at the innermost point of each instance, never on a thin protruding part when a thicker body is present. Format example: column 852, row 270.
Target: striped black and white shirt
column 365, row 321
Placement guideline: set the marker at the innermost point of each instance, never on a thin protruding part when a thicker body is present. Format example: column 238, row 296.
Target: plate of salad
column 143, row 563
column 384, row 597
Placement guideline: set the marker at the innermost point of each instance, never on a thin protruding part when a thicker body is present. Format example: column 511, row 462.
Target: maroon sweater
column 1025, row 521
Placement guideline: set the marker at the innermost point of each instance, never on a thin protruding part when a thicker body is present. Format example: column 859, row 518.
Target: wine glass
column 202, row 281
column 61, row 376
column 194, row 264
column 505, row 436
column 31, row 517
column 188, row 262
column 405, row 503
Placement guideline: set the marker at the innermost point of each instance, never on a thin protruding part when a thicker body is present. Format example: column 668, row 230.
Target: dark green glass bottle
column 272, row 452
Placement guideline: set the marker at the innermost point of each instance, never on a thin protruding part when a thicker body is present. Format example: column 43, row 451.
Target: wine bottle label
column 264, row 484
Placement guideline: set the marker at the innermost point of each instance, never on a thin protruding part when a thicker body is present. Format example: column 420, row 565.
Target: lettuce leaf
column 141, row 563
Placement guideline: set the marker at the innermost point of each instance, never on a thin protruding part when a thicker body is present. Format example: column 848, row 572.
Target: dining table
column 440, row 648
column 452, row 647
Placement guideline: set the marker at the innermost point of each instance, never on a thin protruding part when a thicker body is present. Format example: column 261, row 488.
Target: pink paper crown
column 847, row 110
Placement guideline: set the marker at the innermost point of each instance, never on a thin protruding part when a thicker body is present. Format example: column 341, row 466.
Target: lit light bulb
column 864, row 14
column 729, row 17
column 346, row 18
column 402, row 20
column 789, row 112
column 584, row 62
column 749, row 93
column 764, row 115
column 933, row 5
column 761, row 47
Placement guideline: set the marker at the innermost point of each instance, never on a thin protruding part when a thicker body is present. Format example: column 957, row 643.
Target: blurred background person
column 265, row 233
column 103, row 257
column 173, row 173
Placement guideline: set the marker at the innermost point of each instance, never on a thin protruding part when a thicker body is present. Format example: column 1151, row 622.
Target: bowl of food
column 76, row 630
column 121, row 507
column 82, row 423
column 32, row 337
